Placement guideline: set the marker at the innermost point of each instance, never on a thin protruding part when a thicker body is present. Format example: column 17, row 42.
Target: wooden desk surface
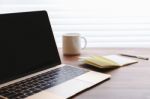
column 129, row 82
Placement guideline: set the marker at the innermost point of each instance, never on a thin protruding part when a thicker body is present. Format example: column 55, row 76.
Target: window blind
column 105, row 23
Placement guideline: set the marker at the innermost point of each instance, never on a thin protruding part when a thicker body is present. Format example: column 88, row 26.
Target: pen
column 139, row 57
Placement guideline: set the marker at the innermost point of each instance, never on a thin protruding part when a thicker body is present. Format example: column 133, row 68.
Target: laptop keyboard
column 40, row 82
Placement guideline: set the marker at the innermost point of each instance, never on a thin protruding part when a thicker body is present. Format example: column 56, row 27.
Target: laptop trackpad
column 69, row 88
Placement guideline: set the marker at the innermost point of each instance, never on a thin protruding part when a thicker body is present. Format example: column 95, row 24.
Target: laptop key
column 2, row 97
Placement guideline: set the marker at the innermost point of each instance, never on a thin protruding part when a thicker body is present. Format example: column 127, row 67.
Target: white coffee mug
column 72, row 43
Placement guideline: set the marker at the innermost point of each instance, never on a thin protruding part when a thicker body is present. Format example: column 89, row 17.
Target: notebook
column 108, row 61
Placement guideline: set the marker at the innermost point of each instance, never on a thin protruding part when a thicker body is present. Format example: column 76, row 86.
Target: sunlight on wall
column 105, row 23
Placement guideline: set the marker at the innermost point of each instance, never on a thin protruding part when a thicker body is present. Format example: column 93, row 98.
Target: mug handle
column 85, row 42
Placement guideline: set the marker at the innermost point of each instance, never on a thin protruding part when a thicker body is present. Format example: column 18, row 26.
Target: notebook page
column 120, row 60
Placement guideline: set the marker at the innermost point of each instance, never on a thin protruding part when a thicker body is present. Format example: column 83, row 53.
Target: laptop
column 30, row 66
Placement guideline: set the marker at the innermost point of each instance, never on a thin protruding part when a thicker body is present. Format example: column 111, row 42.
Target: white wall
column 105, row 23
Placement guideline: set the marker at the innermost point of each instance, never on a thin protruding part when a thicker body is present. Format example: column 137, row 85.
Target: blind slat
column 114, row 39
column 116, row 44
column 106, row 33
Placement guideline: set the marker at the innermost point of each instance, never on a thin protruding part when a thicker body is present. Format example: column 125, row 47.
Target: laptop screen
column 27, row 44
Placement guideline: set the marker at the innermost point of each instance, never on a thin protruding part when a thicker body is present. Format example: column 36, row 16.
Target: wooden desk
column 129, row 82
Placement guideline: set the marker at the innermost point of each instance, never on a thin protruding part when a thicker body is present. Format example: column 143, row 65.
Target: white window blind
column 105, row 23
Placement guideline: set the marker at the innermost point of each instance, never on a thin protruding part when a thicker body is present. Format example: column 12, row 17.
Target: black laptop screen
column 27, row 44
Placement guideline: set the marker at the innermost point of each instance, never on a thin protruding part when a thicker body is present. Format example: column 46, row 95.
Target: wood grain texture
column 129, row 82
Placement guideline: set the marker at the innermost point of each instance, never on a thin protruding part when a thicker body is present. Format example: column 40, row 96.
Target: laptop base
column 73, row 86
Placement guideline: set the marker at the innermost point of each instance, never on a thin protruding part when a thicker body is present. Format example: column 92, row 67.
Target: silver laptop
column 30, row 66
